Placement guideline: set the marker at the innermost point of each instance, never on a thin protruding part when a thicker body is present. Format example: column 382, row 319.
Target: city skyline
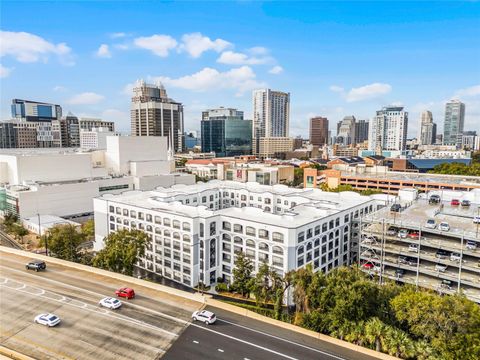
column 205, row 66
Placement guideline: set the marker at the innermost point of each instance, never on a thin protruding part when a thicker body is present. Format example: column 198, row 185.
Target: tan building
column 318, row 131
column 272, row 147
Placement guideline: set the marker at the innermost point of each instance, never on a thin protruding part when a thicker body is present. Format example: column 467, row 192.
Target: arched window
column 277, row 250
column 226, row 237
column 149, row 228
column 166, row 233
column 309, row 246
column 250, row 243
column 112, row 218
column 238, row 240
column 330, row 236
column 300, row 250
column 176, row 235
column 278, row 237
column 263, row 246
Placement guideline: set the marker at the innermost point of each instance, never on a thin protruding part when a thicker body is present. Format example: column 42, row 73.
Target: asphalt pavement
column 151, row 326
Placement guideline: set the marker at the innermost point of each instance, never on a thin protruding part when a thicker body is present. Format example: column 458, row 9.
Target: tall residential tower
column 428, row 129
column 453, row 126
column 388, row 130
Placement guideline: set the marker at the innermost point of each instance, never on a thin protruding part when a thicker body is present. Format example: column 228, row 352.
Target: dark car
column 465, row 203
column 396, row 208
column 36, row 265
column 442, row 254
column 399, row 273
column 434, row 199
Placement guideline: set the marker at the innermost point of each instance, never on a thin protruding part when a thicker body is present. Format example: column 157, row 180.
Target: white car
column 471, row 245
column 431, row 224
column 455, row 257
column 444, row 226
column 207, row 317
column 440, row 267
column 110, row 303
column 49, row 320
column 403, row 233
column 413, row 247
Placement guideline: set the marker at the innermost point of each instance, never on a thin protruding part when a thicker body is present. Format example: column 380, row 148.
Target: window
column 213, row 228
column 337, row 222
column 118, row 211
column 263, row 234
column 330, row 224
column 277, row 250
column 238, row 240
column 166, row 233
column 317, row 230
column 149, row 217
column 204, row 199
column 226, row 226
column 309, row 233
column 301, row 236
column 140, row 216
column 250, row 243
column 226, row 237
column 149, row 228
column 133, row 214
column 202, row 231
column 158, row 220
column 243, row 197
column 186, row 226
column 237, row 228
column 250, row 231
column 324, row 227
column 166, row 222
column 300, row 250
column 125, row 212
column 262, row 246
column 112, row 208
column 268, row 201
column 309, row 246
column 211, row 197
column 176, row 224
column 176, row 235
column 277, row 237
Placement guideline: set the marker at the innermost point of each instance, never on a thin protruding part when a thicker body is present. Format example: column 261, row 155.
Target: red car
column 368, row 266
column 125, row 292
column 414, row 235
column 455, row 202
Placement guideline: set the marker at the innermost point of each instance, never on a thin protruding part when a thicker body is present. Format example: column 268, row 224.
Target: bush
column 221, row 287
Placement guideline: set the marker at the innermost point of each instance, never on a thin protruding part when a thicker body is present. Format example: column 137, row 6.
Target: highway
column 151, row 326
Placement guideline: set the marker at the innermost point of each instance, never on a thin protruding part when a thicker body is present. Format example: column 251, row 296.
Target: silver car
column 48, row 319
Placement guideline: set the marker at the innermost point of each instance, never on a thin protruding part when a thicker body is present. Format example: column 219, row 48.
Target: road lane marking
column 170, row 317
column 245, row 342
column 195, row 341
column 220, row 350
column 282, row 339
column 96, row 310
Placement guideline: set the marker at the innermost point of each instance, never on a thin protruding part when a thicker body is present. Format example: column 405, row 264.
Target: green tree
column 122, row 250
column 19, row 231
column 63, row 241
column 375, row 332
column 88, row 229
column 268, row 286
column 9, row 220
column 242, row 274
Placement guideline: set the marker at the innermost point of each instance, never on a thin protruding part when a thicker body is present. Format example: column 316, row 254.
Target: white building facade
column 196, row 231
column 388, row 129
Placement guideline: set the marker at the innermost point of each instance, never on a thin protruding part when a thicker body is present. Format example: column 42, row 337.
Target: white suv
column 110, row 303
column 207, row 317
column 444, row 226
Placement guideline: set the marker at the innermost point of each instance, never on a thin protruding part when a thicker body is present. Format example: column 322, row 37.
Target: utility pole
column 40, row 234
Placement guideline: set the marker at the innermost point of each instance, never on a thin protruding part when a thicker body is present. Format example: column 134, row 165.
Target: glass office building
column 226, row 134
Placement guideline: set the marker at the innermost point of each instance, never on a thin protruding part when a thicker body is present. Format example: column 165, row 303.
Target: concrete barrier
column 6, row 353
column 129, row 279
column 203, row 299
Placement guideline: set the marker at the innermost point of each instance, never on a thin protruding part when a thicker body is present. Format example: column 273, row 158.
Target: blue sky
column 335, row 58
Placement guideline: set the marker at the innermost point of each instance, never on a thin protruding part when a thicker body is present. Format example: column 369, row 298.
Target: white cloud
column 27, row 48
column 121, row 46
column 117, row 35
column 468, row 92
column 336, row 88
column 366, row 92
column 235, row 58
column 196, row 44
column 258, row 50
column 160, row 45
column 59, row 88
column 241, row 79
column 104, row 51
column 4, row 71
column 276, row 70
column 86, row 98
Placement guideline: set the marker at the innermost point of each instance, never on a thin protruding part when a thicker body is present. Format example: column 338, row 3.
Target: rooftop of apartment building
column 306, row 205
column 38, row 151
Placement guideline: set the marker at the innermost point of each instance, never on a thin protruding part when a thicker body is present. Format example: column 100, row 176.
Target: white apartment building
column 196, row 230
column 388, row 129
column 63, row 182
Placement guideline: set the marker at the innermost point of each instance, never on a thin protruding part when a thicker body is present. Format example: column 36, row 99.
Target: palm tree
column 356, row 334
column 398, row 343
column 374, row 332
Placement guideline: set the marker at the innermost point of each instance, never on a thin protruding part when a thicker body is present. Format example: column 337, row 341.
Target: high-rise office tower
column 153, row 113
column 35, row 111
column 361, row 131
column 428, row 129
column 319, row 131
column 88, row 124
column 271, row 114
column 388, row 129
column 346, row 131
column 225, row 132
column 453, row 126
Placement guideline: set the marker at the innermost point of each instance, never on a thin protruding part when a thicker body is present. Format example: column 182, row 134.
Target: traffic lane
column 278, row 338
column 84, row 333
column 129, row 308
column 169, row 304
